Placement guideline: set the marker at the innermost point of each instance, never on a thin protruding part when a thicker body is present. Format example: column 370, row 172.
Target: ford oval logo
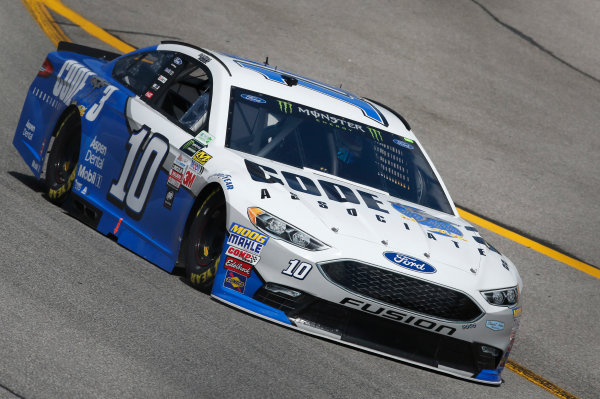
column 403, row 144
column 409, row 262
column 253, row 98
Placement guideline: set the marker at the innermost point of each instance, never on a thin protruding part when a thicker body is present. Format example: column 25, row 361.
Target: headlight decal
column 279, row 229
column 502, row 297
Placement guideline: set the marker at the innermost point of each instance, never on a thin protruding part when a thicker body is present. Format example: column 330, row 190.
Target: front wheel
column 204, row 242
column 63, row 158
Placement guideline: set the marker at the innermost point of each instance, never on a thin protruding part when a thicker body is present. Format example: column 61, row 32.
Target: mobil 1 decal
column 146, row 153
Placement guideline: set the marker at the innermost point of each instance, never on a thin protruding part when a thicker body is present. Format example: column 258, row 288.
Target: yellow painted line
column 88, row 26
column 538, row 380
column 536, row 246
column 43, row 18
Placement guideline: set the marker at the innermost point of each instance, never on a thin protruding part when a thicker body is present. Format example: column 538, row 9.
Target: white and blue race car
column 284, row 197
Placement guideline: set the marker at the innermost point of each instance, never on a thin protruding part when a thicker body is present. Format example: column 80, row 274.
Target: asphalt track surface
column 505, row 97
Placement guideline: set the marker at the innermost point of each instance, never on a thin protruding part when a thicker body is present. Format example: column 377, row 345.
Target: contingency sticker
column 246, row 239
column 235, row 281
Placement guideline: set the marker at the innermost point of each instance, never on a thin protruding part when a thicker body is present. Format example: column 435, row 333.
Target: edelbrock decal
column 408, row 262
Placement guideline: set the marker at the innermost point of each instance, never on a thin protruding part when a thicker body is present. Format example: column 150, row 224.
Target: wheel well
column 69, row 110
column 197, row 204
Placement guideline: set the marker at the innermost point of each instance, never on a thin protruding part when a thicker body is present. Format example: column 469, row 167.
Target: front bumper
column 464, row 348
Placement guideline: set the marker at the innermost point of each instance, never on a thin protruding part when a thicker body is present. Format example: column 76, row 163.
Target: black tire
column 205, row 240
column 63, row 158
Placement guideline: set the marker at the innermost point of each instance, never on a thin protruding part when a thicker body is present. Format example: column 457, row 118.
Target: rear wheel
column 205, row 240
column 63, row 158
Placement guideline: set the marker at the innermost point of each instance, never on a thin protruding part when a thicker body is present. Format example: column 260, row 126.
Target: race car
column 284, row 197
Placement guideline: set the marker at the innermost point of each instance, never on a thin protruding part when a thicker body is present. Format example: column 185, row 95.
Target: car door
column 143, row 188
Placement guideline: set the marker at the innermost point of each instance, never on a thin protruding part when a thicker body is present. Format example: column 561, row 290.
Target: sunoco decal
column 408, row 262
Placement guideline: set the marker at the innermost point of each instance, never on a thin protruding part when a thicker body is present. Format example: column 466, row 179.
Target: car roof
column 276, row 82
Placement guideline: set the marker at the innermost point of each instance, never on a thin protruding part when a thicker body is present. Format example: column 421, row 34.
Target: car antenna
column 267, row 60
column 340, row 85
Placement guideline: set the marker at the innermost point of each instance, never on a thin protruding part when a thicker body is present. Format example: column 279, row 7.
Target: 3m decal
column 235, row 281
column 238, row 266
column 277, row 76
column 141, row 179
column 70, row 80
column 188, row 179
column 408, row 262
column 202, row 157
column 242, row 255
column 297, row 269
column 93, row 112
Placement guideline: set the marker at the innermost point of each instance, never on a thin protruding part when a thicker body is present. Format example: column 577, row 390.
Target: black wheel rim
column 210, row 236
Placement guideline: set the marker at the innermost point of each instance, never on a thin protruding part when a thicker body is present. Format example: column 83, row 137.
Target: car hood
column 305, row 199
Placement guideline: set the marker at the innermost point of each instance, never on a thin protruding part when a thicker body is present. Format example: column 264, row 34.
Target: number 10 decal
column 297, row 269
column 135, row 181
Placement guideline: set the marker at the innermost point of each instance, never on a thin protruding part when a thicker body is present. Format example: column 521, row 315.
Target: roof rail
column 197, row 48
column 404, row 121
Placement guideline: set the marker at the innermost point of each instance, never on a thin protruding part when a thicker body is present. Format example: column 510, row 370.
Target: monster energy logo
column 285, row 107
column 375, row 134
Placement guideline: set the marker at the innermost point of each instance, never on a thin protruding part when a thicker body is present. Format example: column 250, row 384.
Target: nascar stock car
column 284, row 197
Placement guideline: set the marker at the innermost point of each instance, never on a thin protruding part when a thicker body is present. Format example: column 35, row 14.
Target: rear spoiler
column 85, row 50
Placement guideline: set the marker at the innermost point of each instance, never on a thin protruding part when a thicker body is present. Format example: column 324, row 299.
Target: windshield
column 305, row 137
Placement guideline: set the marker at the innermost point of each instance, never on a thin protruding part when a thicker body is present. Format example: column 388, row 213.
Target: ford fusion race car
column 287, row 198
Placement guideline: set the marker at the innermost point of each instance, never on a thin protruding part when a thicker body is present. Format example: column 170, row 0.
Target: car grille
column 402, row 291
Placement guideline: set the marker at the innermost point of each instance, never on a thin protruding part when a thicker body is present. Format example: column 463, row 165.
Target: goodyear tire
column 205, row 241
column 63, row 158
